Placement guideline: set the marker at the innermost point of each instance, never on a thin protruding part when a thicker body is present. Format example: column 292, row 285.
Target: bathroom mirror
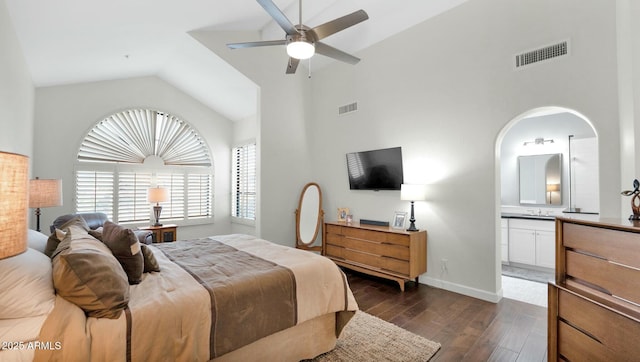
column 540, row 179
column 309, row 217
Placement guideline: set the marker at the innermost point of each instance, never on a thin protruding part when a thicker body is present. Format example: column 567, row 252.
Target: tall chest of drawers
column 381, row 251
column 594, row 304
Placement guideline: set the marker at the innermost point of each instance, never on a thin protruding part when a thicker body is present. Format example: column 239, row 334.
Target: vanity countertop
column 508, row 215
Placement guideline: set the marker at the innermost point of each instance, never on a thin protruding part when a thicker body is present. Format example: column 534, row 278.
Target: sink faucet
column 539, row 212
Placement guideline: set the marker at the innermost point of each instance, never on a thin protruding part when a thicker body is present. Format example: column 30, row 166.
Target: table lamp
column 44, row 193
column 14, row 180
column 158, row 195
column 413, row 193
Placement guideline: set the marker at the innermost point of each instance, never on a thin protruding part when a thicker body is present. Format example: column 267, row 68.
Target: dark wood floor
column 468, row 329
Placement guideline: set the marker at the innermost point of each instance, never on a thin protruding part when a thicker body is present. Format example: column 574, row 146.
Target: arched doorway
column 530, row 137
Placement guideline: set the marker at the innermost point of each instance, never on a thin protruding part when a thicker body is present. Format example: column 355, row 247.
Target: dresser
column 377, row 250
column 594, row 304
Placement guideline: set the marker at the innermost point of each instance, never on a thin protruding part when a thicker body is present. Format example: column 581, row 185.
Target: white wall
column 444, row 90
column 16, row 91
column 284, row 165
column 64, row 115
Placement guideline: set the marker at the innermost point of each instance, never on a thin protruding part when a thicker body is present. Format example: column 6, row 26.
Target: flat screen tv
column 376, row 169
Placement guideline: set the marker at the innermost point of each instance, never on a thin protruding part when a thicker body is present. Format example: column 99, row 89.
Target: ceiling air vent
column 539, row 55
column 349, row 108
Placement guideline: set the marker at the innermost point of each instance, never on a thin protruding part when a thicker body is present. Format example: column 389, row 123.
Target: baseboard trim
column 462, row 289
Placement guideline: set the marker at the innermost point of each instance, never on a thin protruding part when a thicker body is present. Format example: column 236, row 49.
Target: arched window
column 128, row 152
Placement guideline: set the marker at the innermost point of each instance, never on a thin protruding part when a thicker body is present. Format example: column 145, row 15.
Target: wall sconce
column 158, row 195
column 538, row 141
column 14, row 193
column 44, row 193
column 413, row 193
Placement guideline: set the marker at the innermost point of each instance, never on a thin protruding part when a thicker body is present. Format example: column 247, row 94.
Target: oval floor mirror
column 309, row 217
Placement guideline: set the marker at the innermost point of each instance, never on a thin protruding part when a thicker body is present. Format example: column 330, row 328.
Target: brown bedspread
column 251, row 298
column 172, row 313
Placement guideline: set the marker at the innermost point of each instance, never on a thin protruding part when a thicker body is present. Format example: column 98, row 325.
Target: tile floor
column 524, row 291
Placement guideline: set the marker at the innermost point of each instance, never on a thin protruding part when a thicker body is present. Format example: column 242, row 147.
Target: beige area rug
column 368, row 338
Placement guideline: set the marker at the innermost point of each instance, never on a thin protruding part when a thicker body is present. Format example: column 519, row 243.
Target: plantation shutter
column 174, row 208
column 199, row 191
column 94, row 192
column 244, row 183
column 132, row 196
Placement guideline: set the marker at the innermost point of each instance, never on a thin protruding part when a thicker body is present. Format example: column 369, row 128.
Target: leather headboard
column 93, row 219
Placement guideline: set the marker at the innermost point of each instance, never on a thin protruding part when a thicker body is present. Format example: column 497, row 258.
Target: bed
column 221, row 298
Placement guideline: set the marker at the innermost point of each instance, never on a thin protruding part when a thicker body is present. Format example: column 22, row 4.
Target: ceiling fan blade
column 253, row 44
column 278, row 16
column 292, row 65
column 336, row 25
column 329, row 51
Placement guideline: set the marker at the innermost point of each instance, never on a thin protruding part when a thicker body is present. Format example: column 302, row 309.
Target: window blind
column 199, row 202
column 174, row 208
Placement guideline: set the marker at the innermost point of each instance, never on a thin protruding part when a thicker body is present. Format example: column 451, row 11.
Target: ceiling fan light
column 300, row 49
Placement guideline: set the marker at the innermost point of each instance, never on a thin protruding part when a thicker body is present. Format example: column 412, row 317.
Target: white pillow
column 26, row 283
column 37, row 240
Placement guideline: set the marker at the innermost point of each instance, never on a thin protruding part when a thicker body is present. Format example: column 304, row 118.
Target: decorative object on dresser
column 14, row 169
column 44, row 193
column 342, row 213
column 163, row 233
column 635, row 200
column 413, row 193
column 158, row 195
column 377, row 250
column 309, row 217
column 594, row 304
column 398, row 219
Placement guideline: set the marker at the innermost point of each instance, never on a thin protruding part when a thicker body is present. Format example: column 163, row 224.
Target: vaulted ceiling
column 71, row 41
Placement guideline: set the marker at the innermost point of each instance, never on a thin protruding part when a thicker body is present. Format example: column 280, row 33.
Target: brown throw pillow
column 87, row 274
column 125, row 247
column 59, row 234
column 150, row 262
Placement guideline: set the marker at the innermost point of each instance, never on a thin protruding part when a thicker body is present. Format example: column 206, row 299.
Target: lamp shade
column 409, row 192
column 158, row 194
column 45, row 193
column 300, row 49
column 14, row 181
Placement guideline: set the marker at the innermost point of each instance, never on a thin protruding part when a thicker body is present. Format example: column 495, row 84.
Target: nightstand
column 164, row 233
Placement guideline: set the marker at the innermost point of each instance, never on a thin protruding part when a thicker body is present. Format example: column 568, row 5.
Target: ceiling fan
column 301, row 41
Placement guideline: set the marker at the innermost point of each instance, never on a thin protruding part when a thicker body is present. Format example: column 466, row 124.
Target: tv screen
column 375, row 170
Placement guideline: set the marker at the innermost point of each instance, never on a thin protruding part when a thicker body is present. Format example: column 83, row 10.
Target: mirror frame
column 300, row 244
column 560, row 180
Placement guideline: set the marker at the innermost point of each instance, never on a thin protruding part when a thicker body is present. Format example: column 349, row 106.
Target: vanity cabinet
column 504, row 240
column 532, row 242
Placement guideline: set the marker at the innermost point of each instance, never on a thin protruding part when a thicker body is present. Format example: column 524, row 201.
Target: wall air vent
column 542, row 54
column 349, row 108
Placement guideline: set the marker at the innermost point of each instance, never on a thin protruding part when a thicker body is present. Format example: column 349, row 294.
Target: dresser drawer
column 372, row 235
column 589, row 331
column 333, row 229
column 394, row 251
column 610, row 278
column 614, row 245
column 395, row 265
column 335, row 239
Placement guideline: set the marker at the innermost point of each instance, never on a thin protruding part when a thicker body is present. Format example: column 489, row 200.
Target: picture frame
column 399, row 219
column 342, row 213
